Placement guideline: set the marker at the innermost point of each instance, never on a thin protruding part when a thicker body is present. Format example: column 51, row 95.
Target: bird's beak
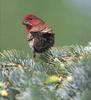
column 26, row 23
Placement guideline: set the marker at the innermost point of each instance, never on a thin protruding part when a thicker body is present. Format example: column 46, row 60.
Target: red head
column 30, row 21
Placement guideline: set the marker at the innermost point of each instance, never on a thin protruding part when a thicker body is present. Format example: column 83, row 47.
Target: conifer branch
column 58, row 74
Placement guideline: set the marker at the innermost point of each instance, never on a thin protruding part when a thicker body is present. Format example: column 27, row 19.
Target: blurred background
column 70, row 19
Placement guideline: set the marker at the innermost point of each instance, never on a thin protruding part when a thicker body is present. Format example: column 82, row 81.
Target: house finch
column 40, row 36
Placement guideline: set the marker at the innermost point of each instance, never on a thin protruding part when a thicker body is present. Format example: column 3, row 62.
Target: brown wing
column 43, row 41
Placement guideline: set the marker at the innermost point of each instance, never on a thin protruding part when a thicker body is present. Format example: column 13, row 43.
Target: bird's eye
column 30, row 18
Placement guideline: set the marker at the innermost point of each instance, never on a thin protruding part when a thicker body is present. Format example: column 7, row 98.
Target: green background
column 70, row 19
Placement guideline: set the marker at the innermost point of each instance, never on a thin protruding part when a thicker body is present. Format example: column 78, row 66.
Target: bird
column 39, row 35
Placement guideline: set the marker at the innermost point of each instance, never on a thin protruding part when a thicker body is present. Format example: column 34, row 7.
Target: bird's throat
column 28, row 27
